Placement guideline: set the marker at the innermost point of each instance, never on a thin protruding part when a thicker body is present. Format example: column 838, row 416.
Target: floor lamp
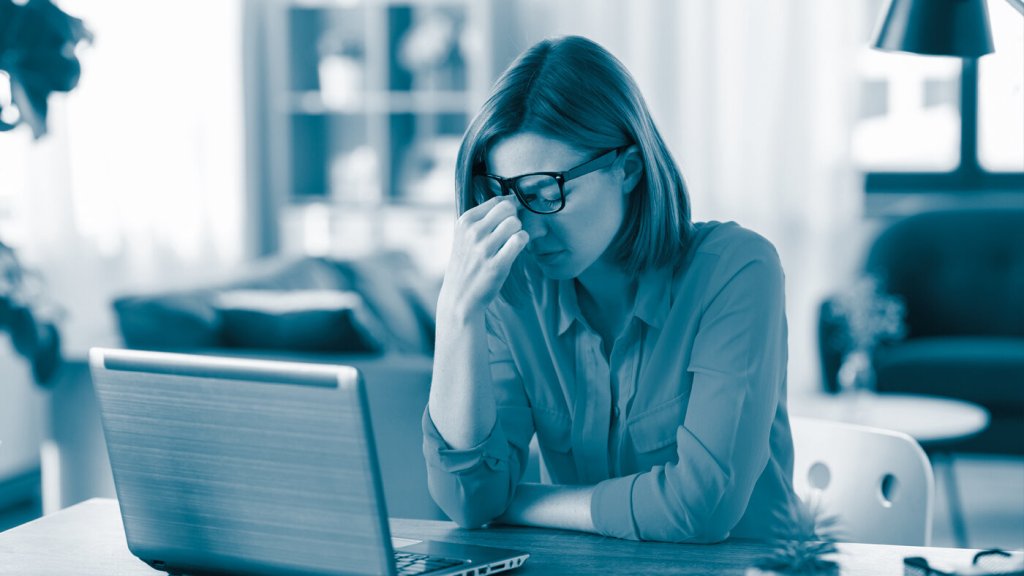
column 958, row 28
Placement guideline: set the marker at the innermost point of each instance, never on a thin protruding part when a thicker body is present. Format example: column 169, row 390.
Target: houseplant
column 29, row 316
column 808, row 547
column 37, row 57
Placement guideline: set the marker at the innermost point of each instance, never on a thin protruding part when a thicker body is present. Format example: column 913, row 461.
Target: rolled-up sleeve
column 475, row 485
column 738, row 367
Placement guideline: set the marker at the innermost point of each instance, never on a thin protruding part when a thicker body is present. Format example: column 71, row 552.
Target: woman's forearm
column 462, row 403
column 547, row 506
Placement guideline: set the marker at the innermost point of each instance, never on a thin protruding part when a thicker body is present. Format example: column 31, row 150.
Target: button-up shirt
column 682, row 427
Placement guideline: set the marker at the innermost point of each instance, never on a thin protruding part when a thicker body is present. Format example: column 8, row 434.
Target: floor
column 991, row 490
column 992, row 495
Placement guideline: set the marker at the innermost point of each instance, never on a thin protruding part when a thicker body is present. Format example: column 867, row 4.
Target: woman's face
column 567, row 243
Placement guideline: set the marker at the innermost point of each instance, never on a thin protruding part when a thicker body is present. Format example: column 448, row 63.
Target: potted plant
column 808, row 547
column 29, row 316
column 37, row 57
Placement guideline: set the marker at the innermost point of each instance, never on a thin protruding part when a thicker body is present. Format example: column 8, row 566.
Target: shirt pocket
column 656, row 428
column 554, row 429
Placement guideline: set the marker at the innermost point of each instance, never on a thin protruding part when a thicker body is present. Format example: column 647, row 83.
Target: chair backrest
column 877, row 483
column 958, row 271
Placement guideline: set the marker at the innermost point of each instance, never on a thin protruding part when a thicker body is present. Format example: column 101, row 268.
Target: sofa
column 960, row 274
column 375, row 313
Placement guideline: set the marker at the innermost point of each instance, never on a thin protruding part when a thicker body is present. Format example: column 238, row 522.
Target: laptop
column 229, row 465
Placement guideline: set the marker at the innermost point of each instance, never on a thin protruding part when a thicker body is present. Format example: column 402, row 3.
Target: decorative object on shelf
column 429, row 42
column 37, row 53
column 805, row 552
column 341, row 69
column 871, row 316
column 354, row 176
column 29, row 316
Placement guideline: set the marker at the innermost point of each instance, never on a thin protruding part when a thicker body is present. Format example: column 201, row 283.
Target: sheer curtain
column 757, row 101
column 139, row 185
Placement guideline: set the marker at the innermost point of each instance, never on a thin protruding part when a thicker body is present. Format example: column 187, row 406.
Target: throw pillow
column 169, row 321
column 298, row 320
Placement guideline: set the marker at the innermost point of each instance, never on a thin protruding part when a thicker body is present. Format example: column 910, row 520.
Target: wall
column 23, row 420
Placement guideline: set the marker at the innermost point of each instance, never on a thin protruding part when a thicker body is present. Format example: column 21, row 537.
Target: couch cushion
column 989, row 371
column 396, row 314
column 961, row 272
column 290, row 274
column 171, row 321
column 386, row 283
column 294, row 320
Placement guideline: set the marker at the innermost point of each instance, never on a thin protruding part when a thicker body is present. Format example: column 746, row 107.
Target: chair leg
column 956, row 513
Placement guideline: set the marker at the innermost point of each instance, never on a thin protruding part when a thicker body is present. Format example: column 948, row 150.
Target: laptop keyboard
column 409, row 563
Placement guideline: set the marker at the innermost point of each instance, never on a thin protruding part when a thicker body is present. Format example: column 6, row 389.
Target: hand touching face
column 569, row 242
column 487, row 240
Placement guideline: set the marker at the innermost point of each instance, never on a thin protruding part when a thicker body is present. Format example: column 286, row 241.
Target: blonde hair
column 572, row 90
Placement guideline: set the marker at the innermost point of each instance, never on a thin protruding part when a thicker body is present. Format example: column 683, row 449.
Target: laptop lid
column 239, row 465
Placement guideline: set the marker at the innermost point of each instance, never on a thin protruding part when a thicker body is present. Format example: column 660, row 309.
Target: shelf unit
column 358, row 111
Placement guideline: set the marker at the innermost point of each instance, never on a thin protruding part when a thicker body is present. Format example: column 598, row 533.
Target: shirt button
column 615, row 411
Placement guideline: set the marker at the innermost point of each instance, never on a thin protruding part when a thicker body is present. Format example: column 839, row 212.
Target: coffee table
column 935, row 422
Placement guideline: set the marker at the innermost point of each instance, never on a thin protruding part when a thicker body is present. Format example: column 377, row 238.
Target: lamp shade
column 936, row 27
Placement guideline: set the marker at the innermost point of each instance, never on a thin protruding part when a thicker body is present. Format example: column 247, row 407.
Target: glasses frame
column 511, row 185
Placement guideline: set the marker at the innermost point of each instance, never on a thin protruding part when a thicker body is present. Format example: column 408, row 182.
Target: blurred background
column 225, row 146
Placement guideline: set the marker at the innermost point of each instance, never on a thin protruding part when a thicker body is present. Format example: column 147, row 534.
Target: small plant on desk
column 803, row 552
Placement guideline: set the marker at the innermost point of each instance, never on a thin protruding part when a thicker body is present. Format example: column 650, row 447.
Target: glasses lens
column 540, row 193
column 485, row 188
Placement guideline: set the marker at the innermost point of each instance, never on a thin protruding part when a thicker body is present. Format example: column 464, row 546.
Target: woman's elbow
column 707, row 519
column 711, row 535
column 716, row 523
column 467, row 508
column 467, row 517
column 701, row 530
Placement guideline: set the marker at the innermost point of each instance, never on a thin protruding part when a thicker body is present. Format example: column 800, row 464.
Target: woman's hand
column 488, row 238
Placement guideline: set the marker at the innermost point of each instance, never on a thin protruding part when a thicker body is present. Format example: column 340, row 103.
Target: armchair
column 961, row 275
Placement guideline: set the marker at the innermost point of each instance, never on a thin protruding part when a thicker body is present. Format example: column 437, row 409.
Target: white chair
column 877, row 483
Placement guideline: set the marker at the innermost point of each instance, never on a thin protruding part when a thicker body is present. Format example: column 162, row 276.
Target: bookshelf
column 356, row 113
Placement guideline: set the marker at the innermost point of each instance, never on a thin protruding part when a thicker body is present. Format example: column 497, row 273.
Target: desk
column 935, row 422
column 88, row 540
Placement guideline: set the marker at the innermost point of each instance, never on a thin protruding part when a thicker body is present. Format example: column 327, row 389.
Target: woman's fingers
column 488, row 238
column 501, row 234
column 483, row 227
column 479, row 211
column 508, row 252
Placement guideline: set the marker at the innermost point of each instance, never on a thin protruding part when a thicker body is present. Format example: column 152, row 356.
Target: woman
column 647, row 353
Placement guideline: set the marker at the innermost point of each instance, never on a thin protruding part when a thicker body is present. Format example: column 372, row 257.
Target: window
column 938, row 124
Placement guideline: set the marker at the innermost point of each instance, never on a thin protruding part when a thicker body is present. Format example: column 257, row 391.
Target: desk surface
column 88, row 540
column 927, row 419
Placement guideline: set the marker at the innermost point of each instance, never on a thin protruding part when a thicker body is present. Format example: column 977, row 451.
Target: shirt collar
column 568, row 307
column 654, row 296
column 653, row 299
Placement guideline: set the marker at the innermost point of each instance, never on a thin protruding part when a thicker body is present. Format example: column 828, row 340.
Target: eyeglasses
column 992, row 561
column 539, row 192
